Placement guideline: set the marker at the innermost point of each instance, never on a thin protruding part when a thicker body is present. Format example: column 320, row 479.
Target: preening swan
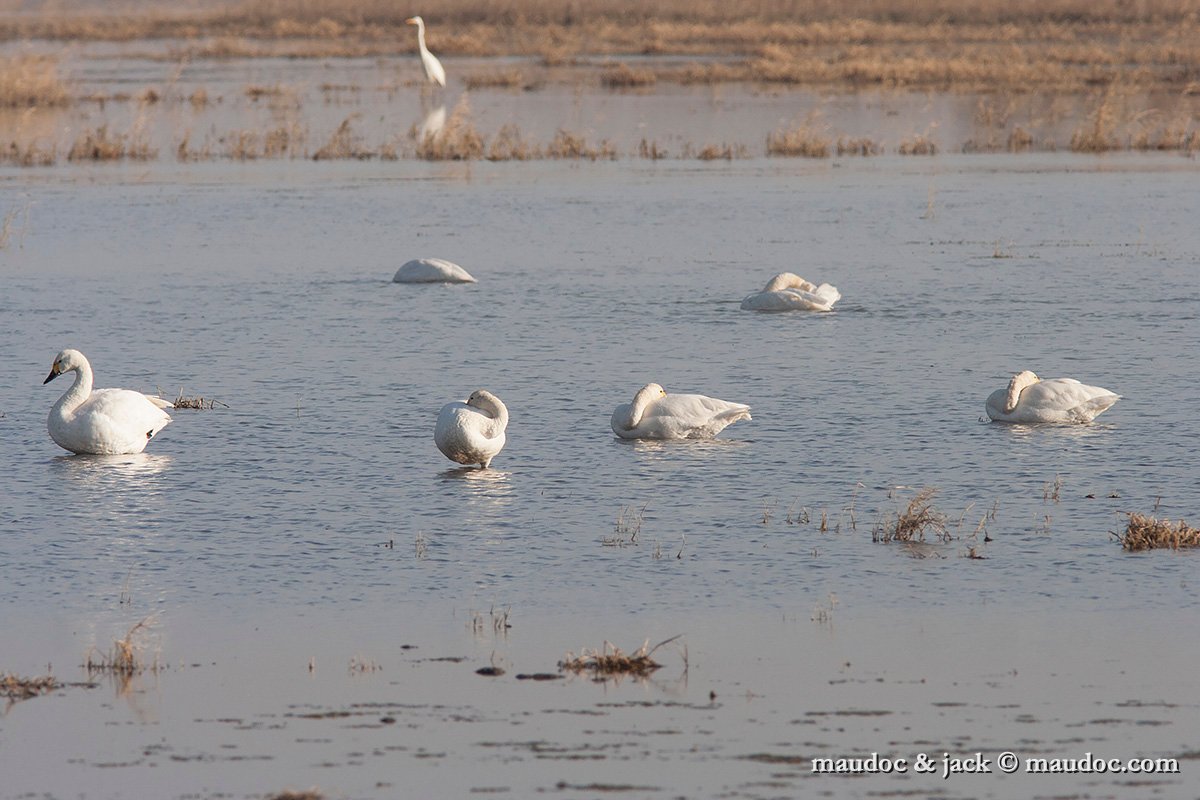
column 789, row 292
column 1028, row 398
column 433, row 67
column 432, row 270
column 472, row 432
column 654, row 414
column 104, row 421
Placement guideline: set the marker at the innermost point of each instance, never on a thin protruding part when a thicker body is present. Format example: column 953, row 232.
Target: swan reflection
column 488, row 486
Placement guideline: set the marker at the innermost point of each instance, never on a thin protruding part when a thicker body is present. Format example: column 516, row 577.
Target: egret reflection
column 433, row 123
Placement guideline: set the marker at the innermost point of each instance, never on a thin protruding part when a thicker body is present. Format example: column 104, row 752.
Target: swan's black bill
column 53, row 374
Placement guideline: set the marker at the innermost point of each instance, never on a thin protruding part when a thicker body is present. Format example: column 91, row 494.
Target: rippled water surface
column 317, row 503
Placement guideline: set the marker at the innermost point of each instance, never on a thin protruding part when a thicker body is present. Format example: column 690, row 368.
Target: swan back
column 1051, row 400
column 654, row 414
column 432, row 270
column 100, row 422
column 789, row 292
column 472, row 432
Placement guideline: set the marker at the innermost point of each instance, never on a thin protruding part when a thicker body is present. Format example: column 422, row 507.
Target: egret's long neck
column 421, row 37
column 80, row 390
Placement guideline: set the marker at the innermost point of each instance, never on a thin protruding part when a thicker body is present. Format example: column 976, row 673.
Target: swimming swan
column 432, row 270
column 433, row 68
column 472, row 432
column 789, row 292
column 654, row 414
column 1028, row 398
column 104, row 421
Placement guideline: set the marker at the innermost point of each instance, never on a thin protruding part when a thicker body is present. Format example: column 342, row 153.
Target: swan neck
column 80, row 390
column 637, row 409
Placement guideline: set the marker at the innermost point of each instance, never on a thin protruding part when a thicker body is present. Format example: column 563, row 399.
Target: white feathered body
column 467, row 433
column 1052, row 400
column 789, row 292
column 103, row 421
column 432, row 270
column 653, row 414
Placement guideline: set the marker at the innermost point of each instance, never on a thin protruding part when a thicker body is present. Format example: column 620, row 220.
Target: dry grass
column 568, row 145
column 14, row 688
column 291, row 794
column 609, row 661
column 1148, row 533
column 802, row 141
column 31, row 82
column 500, row 79
column 911, row 524
column 857, row 147
column 101, row 144
column 28, row 153
column 458, row 140
column 623, row 76
column 976, row 44
column 509, row 145
column 344, row 144
column 124, row 659
column 919, row 145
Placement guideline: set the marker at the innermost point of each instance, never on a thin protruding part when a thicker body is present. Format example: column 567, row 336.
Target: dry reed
column 622, row 76
column 125, row 657
column 14, row 688
column 456, row 141
column 568, row 145
column 101, row 144
column 31, row 82
column 911, row 524
column 1147, row 533
column 802, row 141
column 344, row 144
column 610, row 661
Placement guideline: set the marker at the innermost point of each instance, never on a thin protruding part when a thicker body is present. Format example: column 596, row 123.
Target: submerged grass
column 124, row 658
column 31, row 82
column 14, row 687
column 609, row 661
column 1148, row 533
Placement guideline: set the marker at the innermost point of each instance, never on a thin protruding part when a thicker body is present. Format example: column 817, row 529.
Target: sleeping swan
column 432, row 270
column 1031, row 399
column 104, row 421
column 654, row 414
column 789, row 292
column 472, row 432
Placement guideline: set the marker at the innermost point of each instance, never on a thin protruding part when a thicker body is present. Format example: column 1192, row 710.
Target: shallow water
column 315, row 516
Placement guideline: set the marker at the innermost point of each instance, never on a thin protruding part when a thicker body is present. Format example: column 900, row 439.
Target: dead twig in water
column 610, row 660
column 1147, row 533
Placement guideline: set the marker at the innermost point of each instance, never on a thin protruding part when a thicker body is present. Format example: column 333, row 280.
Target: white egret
column 433, row 68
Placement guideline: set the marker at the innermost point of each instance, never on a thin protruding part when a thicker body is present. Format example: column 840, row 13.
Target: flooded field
column 321, row 585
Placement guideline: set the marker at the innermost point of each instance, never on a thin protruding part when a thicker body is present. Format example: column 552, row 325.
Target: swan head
column 651, row 391
column 486, row 401
column 1017, row 385
column 65, row 361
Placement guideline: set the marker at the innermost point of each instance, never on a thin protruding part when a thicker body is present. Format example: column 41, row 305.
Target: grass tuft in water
column 1148, row 533
column 911, row 524
column 611, row 661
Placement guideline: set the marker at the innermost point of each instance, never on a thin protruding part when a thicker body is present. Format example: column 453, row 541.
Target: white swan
column 432, row 270
column 789, row 292
column 1028, row 398
column 104, row 421
column 433, row 67
column 472, row 432
column 654, row 414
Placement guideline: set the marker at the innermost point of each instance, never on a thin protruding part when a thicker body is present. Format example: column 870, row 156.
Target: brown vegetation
column 1146, row 533
column 31, row 82
column 101, row 144
column 802, row 141
column 945, row 44
column 622, row 76
column 15, row 688
column 911, row 524
column 610, row 661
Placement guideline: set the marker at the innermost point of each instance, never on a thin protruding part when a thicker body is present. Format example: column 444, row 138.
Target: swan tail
column 1090, row 409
